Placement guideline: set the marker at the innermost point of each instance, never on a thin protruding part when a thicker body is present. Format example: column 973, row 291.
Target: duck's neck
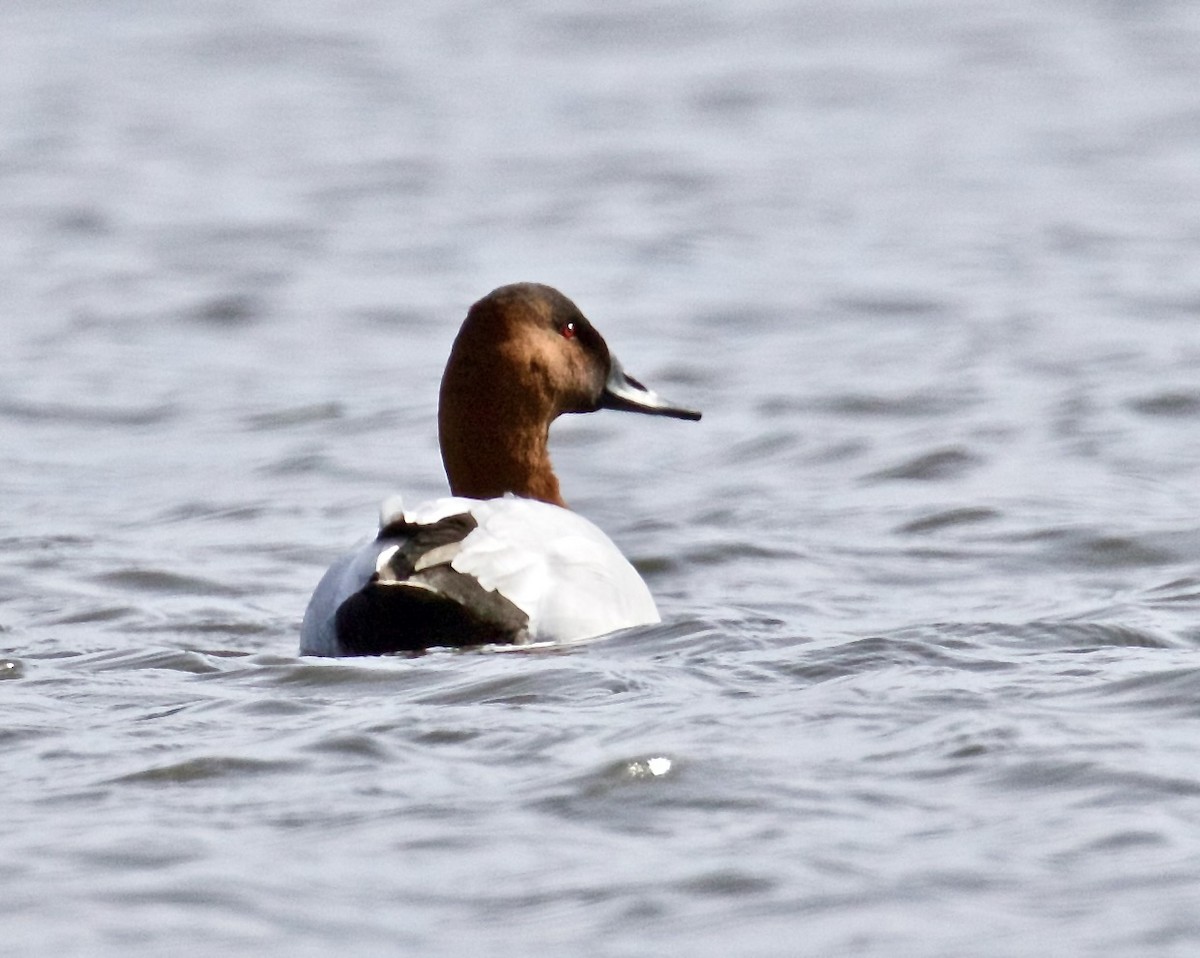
column 490, row 452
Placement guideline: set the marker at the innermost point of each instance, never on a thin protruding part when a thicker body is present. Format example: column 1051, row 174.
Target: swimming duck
column 503, row 560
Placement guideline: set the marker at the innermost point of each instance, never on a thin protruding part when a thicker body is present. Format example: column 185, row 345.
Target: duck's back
column 467, row 572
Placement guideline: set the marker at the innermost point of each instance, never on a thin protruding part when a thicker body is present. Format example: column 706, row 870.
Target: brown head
column 525, row 354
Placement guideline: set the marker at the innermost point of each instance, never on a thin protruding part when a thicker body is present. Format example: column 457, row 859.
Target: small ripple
column 209, row 511
column 717, row 553
column 1172, row 690
column 12, row 737
column 203, row 769
column 273, row 707
column 392, row 318
column 543, row 686
column 934, row 466
column 857, row 656
column 1097, row 549
column 1177, row 592
column 937, row 521
column 625, row 794
column 176, row 660
column 1117, row 786
column 1122, row 840
column 83, row 221
column 354, row 745
column 680, row 637
column 393, row 671
column 294, row 416
column 161, row 581
column 51, row 412
column 916, row 405
column 1120, row 551
column 763, row 446
column 976, row 743
column 615, row 782
column 42, row 543
column 888, row 305
column 103, row 613
column 1062, row 634
column 445, row 736
column 206, row 623
column 299, row 464
column 229, row 309
column 1087, row 635
column 727, row 883
column 142, row 854
column 1043, row 775
column 1170, row 404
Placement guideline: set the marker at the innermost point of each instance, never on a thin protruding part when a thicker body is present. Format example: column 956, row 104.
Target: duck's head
column 526, row 354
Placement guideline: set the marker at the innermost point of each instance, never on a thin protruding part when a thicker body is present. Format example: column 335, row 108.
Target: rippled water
column 930, row 567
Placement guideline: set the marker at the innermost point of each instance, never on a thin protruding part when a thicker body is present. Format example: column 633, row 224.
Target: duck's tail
column 417, row 600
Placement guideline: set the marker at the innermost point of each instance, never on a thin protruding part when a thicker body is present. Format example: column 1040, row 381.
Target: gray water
column 927, row 680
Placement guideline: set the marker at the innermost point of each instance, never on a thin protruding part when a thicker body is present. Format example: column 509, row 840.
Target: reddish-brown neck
column 486, row 456
column 494, row 427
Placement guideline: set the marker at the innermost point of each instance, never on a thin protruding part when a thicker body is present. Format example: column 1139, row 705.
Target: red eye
column 567, row 330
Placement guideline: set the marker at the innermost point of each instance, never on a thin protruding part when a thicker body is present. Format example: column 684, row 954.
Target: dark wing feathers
column 416, row 600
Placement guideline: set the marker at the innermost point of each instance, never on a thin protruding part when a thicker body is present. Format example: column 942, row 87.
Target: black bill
column 625, row 392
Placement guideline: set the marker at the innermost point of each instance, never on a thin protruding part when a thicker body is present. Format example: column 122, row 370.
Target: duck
column 502, row 561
